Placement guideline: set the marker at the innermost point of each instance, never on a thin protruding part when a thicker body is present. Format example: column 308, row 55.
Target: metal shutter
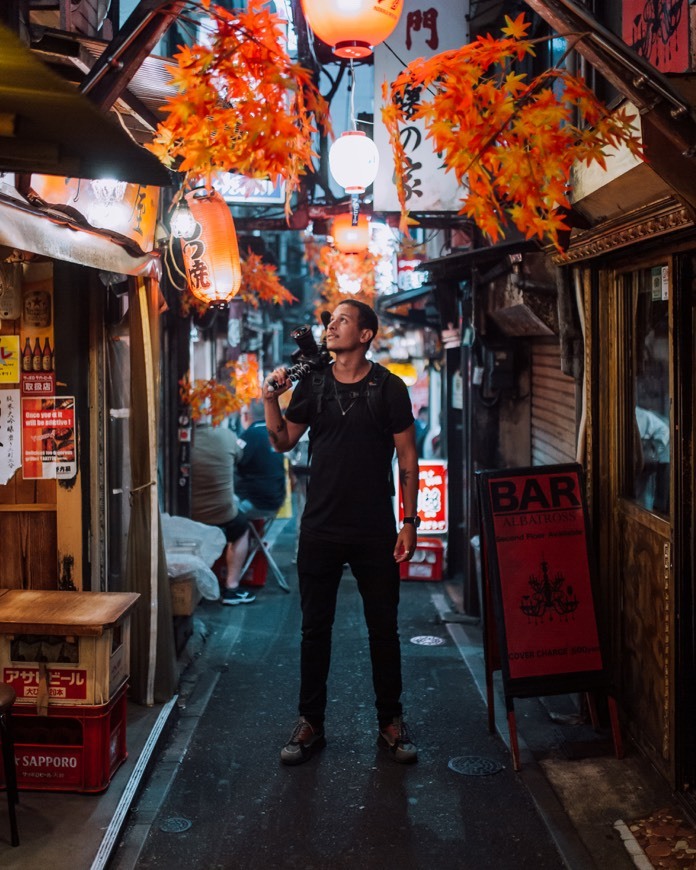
column 553, row 407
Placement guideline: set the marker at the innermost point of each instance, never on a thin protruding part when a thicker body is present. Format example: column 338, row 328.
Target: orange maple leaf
column 516, row 29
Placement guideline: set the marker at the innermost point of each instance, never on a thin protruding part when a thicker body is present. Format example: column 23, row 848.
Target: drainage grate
column 471, row 765
column 175, row 825
column 428, row 640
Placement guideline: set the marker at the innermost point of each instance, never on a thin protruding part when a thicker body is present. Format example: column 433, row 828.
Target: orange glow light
column 211, row 255
column 352, row 27
column 349, row 239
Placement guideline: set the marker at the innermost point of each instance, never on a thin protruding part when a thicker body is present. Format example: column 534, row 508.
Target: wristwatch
column 414, row 521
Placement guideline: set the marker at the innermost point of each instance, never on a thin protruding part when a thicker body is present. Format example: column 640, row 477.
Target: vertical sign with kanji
column 10, row 442
column 432, row 496
column 426, row 27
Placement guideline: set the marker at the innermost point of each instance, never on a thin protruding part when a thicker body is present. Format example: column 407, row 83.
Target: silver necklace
column 343, row 410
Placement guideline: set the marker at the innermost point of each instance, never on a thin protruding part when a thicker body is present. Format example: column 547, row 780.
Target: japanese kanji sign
column 432, row 496
column 10, row 428
column 424, row 29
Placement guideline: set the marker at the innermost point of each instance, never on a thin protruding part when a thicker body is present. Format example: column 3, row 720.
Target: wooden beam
column 116, row 66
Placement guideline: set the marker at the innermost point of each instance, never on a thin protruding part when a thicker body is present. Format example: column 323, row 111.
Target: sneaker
column 396, row 739
column 236, row 596
column 304, row 742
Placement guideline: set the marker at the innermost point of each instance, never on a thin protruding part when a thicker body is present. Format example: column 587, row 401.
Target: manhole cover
column 175, row 825
column 470, row 765
column 428, row 640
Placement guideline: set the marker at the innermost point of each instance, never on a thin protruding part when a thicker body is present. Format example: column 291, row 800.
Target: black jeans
column 320, row 566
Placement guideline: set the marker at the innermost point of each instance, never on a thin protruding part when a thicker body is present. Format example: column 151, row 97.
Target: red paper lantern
column 211, row 254
column 349, row 239
column 352, row 27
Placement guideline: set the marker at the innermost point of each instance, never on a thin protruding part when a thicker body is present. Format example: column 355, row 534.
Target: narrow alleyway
column 233, row 805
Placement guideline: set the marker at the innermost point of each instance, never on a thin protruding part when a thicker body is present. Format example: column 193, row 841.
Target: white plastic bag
column 192, row 548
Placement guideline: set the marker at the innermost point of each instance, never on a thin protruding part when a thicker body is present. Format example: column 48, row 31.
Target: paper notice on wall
column 48, row 438
column 9, row 359
column 10, row 431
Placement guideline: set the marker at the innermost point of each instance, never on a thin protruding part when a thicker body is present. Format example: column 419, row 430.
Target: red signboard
column 432, row 496
column 536, row 549
column 62, row 684
column 658, row 31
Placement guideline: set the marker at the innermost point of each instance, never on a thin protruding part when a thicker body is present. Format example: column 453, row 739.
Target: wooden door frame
column 610, row 356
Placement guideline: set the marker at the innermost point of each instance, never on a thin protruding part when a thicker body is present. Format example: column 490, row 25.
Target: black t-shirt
column 350, row 484
column 260, row 473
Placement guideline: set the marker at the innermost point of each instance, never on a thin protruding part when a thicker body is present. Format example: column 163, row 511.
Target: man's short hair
column 367, row 319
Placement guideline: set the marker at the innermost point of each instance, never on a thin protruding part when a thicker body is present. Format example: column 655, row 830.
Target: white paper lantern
column 354, row 161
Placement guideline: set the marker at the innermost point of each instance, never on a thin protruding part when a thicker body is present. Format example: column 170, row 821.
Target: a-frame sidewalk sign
column 539, row 617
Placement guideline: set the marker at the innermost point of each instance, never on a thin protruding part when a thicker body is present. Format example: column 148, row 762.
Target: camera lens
column 305, row 340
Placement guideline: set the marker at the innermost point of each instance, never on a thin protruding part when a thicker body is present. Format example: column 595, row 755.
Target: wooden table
column 39, row 611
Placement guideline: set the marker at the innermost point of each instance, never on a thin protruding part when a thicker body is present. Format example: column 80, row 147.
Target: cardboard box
column 185, row 595
column 98, row 666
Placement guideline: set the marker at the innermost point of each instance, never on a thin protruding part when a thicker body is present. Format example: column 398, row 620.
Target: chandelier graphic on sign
column 549, row 596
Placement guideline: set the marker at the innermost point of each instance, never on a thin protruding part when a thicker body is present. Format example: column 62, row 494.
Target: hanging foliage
column 510, row 142
column 242, row 105
column 220, row 399
column 260, row 283
column 345, row 276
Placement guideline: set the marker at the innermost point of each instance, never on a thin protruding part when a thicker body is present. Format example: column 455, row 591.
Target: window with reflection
column 649, row 453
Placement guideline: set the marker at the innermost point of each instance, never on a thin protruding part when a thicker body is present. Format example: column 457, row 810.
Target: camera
column 308, row 355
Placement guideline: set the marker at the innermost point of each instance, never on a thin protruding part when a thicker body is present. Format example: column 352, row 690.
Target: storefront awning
column 47, row 126
column 51, row 234
column 442, row 271
column 461, row 263
column 668, row 119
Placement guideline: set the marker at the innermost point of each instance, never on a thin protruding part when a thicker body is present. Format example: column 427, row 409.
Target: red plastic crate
column 427, row 561
column 70, row 749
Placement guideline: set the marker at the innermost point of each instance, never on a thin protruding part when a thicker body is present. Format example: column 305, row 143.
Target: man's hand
column 405, row 543
column 279, row 377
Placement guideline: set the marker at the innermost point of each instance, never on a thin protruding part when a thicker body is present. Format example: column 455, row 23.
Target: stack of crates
column 70, row 713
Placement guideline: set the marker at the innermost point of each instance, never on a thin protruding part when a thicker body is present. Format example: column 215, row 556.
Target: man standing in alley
column 357, row 414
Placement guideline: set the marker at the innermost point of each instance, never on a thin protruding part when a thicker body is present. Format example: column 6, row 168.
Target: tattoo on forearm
column 273, row 434
column 404, row 476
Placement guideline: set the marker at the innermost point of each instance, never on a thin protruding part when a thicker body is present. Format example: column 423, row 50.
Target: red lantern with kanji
column 211, row 254
column 352, row 27
column 349, row 239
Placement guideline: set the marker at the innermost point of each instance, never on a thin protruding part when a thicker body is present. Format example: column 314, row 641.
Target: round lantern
column 211, row 254
column 352, row 27
column 182, row 224
column 349, row 239
column 354, row 161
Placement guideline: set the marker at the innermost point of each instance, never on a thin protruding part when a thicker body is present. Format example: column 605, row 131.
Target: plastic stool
column 7, row 699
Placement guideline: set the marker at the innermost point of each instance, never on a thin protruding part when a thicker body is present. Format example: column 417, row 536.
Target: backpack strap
column 375, row 403
column 318, row 389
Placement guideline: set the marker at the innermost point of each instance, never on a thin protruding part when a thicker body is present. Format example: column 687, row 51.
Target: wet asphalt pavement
column 351, row 806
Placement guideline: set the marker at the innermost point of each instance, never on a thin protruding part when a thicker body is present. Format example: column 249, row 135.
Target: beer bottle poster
column 535, row 534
